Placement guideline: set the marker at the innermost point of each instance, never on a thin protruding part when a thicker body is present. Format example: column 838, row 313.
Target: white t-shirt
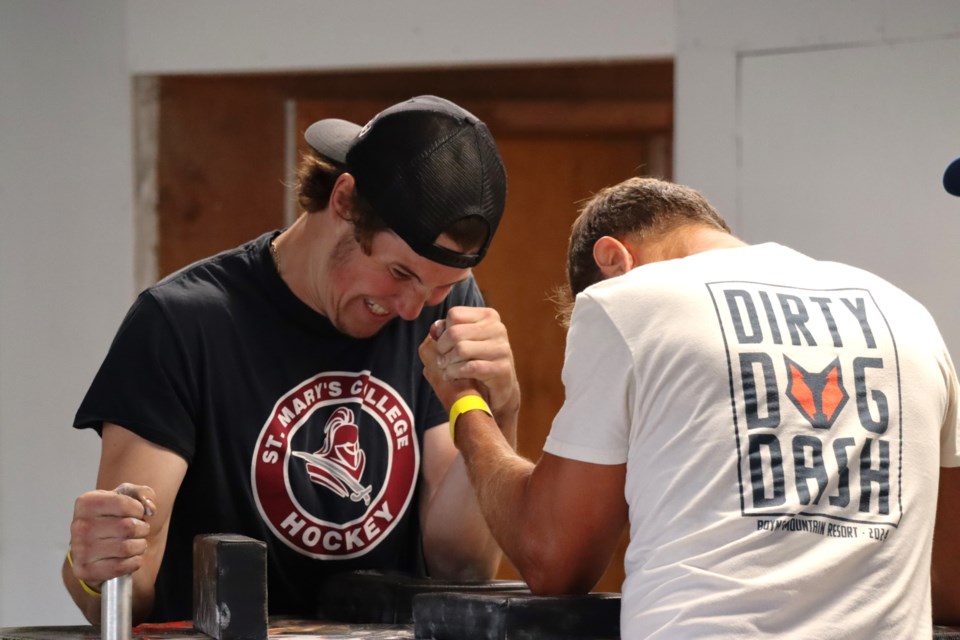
column 782, row 421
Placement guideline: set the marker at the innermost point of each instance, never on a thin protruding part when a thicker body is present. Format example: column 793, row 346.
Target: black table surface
column 279, row 628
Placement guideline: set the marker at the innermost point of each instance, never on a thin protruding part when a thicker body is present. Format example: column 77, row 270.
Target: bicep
column 580, row 513
column 127, row 457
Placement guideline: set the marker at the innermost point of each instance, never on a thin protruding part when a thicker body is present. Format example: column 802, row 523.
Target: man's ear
column 341, row 196
column 612, row 257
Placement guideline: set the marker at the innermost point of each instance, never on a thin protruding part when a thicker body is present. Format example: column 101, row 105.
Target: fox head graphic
column 819, row 396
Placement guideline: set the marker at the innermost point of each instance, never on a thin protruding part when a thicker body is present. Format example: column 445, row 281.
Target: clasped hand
column 469, row 352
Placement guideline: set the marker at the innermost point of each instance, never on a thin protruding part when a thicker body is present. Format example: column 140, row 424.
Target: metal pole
column 116, row 608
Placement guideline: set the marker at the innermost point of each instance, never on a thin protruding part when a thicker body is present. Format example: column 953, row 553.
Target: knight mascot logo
column 336, row 464
column 339, row 465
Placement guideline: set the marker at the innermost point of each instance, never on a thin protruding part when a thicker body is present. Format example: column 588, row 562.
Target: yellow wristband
column 90, row 590
column 464, row 404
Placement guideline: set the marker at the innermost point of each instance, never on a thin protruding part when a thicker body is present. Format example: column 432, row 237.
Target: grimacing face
column 363, row 292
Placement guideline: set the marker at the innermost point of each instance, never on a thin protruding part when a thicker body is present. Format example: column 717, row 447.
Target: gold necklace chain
column 276, row 255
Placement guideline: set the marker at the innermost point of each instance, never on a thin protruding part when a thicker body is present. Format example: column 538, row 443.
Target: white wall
column 66, row 201
column 239, row 35
column 65, row 273
column 826, row 126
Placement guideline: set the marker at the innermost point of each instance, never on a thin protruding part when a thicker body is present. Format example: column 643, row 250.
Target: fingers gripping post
column 116, row 603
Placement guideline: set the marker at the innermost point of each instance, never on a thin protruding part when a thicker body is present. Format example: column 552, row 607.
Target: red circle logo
column 335, row 466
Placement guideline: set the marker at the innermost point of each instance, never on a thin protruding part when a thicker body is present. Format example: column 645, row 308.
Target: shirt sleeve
column 145, row 384
column 598, row 376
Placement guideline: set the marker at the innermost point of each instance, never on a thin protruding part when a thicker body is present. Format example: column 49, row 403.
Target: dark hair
column 639, row 208
column 316, row 176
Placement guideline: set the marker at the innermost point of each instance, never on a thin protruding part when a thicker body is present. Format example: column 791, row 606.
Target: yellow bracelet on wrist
column 87, row 588
column 464, row 404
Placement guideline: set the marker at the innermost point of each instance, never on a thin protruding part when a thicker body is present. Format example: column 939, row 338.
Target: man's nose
column 410, row 303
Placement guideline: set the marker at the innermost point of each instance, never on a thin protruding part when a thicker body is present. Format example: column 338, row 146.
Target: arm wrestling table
column 279, row 628
column 230, row 604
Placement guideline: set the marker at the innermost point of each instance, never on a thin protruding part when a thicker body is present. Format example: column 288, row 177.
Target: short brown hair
column 637, row 207
column 316, row 176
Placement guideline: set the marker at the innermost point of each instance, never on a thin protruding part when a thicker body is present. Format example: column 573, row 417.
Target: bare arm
column 457, row 543
column 945, row 573
column 112, row 533
column 557, row 521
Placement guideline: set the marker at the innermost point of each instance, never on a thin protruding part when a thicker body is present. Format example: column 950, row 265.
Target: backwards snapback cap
column 424, row 165
column 951, row 178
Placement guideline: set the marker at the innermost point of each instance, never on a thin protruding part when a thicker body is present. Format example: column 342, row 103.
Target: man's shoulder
column 209, row 280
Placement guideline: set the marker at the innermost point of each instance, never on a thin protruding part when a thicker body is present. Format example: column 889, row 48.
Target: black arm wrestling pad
column 477, row 616
column 230, row 587
column 384, row 598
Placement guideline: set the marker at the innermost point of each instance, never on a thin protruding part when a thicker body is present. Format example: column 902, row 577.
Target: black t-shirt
column 294, row 433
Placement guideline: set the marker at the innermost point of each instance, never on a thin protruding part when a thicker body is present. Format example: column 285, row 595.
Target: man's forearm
column 458, row 544
column 500, row 479
column 557, row 521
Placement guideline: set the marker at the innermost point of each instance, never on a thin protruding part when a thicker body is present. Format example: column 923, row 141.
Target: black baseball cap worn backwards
column 424, row 165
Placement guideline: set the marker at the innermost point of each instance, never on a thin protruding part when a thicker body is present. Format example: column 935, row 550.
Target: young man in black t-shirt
column 274, row 390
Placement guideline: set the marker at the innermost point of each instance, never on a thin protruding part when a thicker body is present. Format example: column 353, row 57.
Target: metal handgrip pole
column 116, row 608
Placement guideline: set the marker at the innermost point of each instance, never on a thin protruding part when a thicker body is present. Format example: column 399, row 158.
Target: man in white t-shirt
column 770, row 426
